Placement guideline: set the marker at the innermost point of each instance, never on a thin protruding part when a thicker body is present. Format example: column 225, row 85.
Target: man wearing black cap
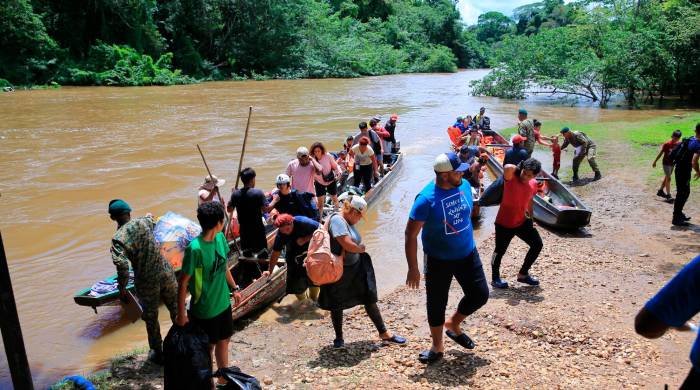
column 585, row 148
column 154, row 278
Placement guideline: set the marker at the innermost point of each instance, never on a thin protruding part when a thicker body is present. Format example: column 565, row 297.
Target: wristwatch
column 237, row 289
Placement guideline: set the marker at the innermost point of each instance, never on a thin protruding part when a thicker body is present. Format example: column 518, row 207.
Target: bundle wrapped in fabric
column 173, row 232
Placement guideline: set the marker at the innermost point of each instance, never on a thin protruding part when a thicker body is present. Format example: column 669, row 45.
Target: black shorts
column 219, row 327
column 321, row 190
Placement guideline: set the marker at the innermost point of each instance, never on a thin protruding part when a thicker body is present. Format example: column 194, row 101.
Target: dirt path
column 576, row 331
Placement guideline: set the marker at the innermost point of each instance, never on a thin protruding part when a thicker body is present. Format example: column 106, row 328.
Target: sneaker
column 597, row 176
column 575, row 179
column 155, row 357
column 685, row 217
column 668, row 196
column 338, row 343
column 662, row 194
column 498, row 283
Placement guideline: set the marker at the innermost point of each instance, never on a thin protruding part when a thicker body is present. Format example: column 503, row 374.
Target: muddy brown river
column 65, row 153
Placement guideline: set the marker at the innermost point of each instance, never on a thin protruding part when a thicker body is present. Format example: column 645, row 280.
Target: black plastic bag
column 187, row 358
column 237, row 380
column 493, row 194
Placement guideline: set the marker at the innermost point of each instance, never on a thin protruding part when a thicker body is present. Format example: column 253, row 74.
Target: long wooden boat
column 254, row 293
column 392, row 171
column 555, row 204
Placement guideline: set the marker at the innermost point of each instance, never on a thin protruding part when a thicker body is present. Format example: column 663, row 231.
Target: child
column 556, row 156
column 205, row 274
column 666, row 149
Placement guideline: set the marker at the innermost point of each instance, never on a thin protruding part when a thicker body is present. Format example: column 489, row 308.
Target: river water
column 65, row 153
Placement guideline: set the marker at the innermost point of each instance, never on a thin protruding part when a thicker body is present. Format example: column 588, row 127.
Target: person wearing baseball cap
column 301, row 170
column 287, row 200
column 442, row 211
column 390, row 127
column 527, row 129
column 517, row 153
column 585, row 148
column 357, row 285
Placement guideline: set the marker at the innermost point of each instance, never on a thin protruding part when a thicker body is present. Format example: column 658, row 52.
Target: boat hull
column 574, row 216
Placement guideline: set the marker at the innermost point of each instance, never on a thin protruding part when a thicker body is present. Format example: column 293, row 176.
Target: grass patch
column 104, row 380
column 642, row 137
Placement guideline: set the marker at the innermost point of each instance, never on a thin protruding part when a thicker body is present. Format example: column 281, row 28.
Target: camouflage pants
column 150, row 293
column 589, row 153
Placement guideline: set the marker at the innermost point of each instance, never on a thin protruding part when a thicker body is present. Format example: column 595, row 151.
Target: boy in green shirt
column 205, row 274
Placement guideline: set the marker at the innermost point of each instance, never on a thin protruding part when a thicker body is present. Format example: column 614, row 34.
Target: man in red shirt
column 666, row 149
column 514, row 218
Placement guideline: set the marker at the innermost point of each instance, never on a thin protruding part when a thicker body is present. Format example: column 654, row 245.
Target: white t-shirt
column 363, row 158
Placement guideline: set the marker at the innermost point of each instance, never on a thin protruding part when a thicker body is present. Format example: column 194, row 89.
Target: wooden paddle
column 238, row 173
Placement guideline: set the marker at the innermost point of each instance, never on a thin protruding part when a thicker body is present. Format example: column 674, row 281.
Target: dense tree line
column 643, row 49
column 140, row 42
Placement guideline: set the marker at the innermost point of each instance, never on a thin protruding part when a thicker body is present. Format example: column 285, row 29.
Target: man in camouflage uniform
column 527, row 129
column 585, row 147
column 154, row 277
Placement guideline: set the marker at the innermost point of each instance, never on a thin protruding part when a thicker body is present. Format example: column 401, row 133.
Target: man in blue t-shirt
column 442, row 210
column 675, row 304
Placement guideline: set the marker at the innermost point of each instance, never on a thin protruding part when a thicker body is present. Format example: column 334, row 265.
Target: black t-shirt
column 390, row 126
column 303, row 227
column 249, row 203
column 296, row 203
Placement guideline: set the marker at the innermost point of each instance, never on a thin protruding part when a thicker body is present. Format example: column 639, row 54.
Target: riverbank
column 576, row 330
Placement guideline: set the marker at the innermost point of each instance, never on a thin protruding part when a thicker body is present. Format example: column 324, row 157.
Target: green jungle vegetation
column 643, row 49
column 163, row 42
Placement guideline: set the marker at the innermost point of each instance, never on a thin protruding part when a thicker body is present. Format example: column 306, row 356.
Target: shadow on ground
column 515, row 295
column 353, row 354
column 454, row 370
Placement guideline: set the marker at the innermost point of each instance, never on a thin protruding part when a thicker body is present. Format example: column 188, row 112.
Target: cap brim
column 462, row 167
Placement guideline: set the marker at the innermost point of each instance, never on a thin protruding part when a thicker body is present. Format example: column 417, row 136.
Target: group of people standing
column 295, row 207
column 681, row 156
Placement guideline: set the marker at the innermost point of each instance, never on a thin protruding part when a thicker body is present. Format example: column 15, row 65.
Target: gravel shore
column 575, row 331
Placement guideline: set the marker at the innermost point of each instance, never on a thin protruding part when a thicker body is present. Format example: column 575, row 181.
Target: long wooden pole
column 245, row 140
column 218, row 191
column 11, row 330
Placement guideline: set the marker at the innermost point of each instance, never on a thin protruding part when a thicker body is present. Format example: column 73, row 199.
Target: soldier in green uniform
column 585, row 148
column 154, row 277
column 527, row 129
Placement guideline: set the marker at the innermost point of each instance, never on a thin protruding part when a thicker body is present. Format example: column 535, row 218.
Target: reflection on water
column 65, row 153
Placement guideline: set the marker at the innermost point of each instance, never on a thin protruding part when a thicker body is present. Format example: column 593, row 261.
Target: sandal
column 529, row 280
column 461, row 339
column 395, row 339
column 429, row 356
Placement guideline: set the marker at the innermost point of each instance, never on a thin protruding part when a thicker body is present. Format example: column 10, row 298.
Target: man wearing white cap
column 288, row 201
column 442, row 210
column 301, row 171
column 209, row 191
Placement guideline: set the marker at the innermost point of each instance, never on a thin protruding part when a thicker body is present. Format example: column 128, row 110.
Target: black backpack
column 493, row 194
column 679, row 154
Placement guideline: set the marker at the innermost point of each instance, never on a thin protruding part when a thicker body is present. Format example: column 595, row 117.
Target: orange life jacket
column 455, row 133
